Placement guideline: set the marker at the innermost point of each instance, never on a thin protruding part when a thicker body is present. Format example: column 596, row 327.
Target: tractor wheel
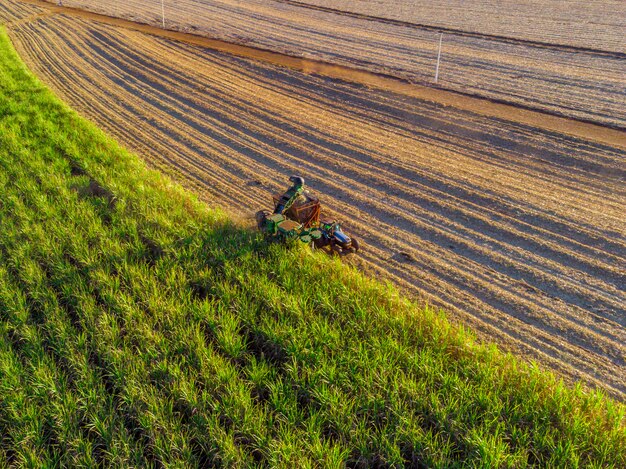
column 321, row 243
column 261, row 219
column 355, row 245
column 335, row 250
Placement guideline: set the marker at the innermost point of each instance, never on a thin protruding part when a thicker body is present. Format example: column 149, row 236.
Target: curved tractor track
column 574, row 82
column 516, row 230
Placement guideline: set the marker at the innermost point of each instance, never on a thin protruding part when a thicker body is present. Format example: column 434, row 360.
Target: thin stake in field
column 438, row 58
column 163, row 12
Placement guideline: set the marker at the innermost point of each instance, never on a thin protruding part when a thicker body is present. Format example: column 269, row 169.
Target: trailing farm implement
column 296, row 215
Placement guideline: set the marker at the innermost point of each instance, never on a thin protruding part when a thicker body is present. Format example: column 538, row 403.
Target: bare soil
column 578, row 83
column 515, row 229
column 596, row 24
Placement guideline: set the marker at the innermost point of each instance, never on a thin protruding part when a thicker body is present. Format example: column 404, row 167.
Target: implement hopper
column 306, row 210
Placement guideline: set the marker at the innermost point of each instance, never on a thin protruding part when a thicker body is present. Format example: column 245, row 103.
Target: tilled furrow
column 517, row 235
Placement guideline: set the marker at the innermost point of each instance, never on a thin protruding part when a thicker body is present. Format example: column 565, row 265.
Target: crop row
column 517, row 227
column 138, row 328
column 584, row 85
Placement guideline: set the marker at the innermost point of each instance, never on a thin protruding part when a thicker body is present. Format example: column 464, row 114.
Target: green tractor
column 297, row 216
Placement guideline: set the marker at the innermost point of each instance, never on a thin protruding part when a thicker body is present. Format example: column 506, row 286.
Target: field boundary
column 457, row 32
column 527, row 115
column 139, row 327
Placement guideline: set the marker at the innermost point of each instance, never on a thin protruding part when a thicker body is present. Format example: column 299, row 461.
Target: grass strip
column 139, row 327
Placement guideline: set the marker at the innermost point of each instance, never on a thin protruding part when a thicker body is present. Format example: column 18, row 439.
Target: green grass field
column 140, row 328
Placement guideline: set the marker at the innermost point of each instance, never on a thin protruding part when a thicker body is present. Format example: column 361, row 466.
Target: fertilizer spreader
column 297, row 216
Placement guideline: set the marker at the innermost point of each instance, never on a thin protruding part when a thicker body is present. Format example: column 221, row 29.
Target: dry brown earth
column 517, row 230
column 595, row 24
column 10, row 13
column 581, row 84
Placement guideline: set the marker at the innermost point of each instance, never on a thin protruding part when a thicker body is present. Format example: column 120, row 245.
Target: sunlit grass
column 140, row 328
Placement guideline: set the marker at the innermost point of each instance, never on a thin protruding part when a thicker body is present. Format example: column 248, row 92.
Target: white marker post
column 438, row 58
column 163, row 12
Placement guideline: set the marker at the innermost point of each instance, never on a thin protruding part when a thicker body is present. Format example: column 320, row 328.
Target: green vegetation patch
column 139, row 328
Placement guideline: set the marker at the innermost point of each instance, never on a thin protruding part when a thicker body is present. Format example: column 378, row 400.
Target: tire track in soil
column 16, row 12
column 512, row 20
column 585, row 85
column 465, row 210
column 536, row 42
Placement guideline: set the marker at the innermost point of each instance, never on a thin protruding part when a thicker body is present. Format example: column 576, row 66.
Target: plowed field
column 584, row 84
column 16, row 11
column 579, row 23
column 517, row 230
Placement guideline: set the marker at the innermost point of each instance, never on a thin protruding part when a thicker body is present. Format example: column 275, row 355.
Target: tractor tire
column 320, row 243
column 355, row 245
column 261, row 219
